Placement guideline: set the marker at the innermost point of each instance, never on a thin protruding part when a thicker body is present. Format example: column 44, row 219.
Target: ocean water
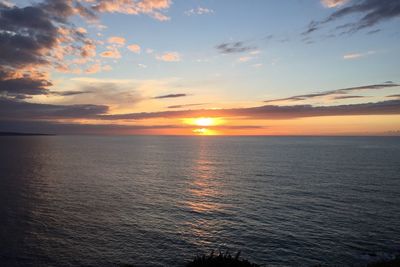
column 159, row 201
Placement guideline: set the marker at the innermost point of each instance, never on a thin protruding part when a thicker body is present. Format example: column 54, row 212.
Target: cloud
column 199, row 11
column 271, row 112
column 357, row 55
column 372, row 13
column 374, row 31
column 111, row 53
column 12, row 85
column 114, row 93
column 40, row 38
column 333, row 3
column 69, row 93
column 50, row 127
column 35, row 39
column 394, row 96
column 20, row 110
column 116, row 40
column 336, row 92
column 153, row 8
column 170, row 57
column 169, row 96
column 97, row 67
column 234, row 47
column 245, row 59
column 135, row 48
column 17, row 110
column 352, row 56
column 339, row 97
column 186, row 105
column 88, row 50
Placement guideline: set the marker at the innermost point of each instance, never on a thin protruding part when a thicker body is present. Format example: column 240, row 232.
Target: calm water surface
column 156, row 201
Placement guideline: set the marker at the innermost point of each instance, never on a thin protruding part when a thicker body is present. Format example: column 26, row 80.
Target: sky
column 200, row 67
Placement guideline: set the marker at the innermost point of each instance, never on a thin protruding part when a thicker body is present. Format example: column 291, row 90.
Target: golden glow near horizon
column 203, row 122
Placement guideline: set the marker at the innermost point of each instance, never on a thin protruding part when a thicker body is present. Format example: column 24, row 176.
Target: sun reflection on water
column 205, row 194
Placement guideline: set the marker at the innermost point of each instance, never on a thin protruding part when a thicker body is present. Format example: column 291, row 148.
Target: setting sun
column 204, row 121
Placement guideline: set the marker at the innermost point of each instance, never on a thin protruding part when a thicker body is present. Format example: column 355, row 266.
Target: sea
column 162, row 200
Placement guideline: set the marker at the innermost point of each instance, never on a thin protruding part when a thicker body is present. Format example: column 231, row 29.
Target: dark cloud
column 393, row 96
column 49, row 127
column 271, row 112
column 13, row 112
column 17, row 110
column 61, row 10
column 348, row 97
column 374, row 31
column 169, row 96
column 234, row 47
column 372, row 12
column 312, row 27
column 24, row 34
column 22, row 86
column 186, row 105
column 70, row 93
column 32, row 39
column 342, row 91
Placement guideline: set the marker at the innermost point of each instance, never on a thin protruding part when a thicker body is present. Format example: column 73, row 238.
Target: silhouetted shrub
column 222, row 260
column 391, row 263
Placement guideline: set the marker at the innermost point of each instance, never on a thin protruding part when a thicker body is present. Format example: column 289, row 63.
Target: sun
column 204, row 125
column 204, row 122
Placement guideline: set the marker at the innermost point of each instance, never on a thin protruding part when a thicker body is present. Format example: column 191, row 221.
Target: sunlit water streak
column 153, row 201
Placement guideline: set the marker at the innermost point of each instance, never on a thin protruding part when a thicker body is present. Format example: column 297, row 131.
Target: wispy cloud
column 70, row 93
column 393, row 96
column 199, row 11
column 352, row 56
column 245, row 59
column 372, row 13
column 357, row 55
column 333, row 3
column 234, row 47
column 340, row 97
column 186, row 105
column 342, row 91
column 169, row 96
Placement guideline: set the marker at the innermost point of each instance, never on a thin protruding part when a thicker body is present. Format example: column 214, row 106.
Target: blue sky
column 290, row 65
